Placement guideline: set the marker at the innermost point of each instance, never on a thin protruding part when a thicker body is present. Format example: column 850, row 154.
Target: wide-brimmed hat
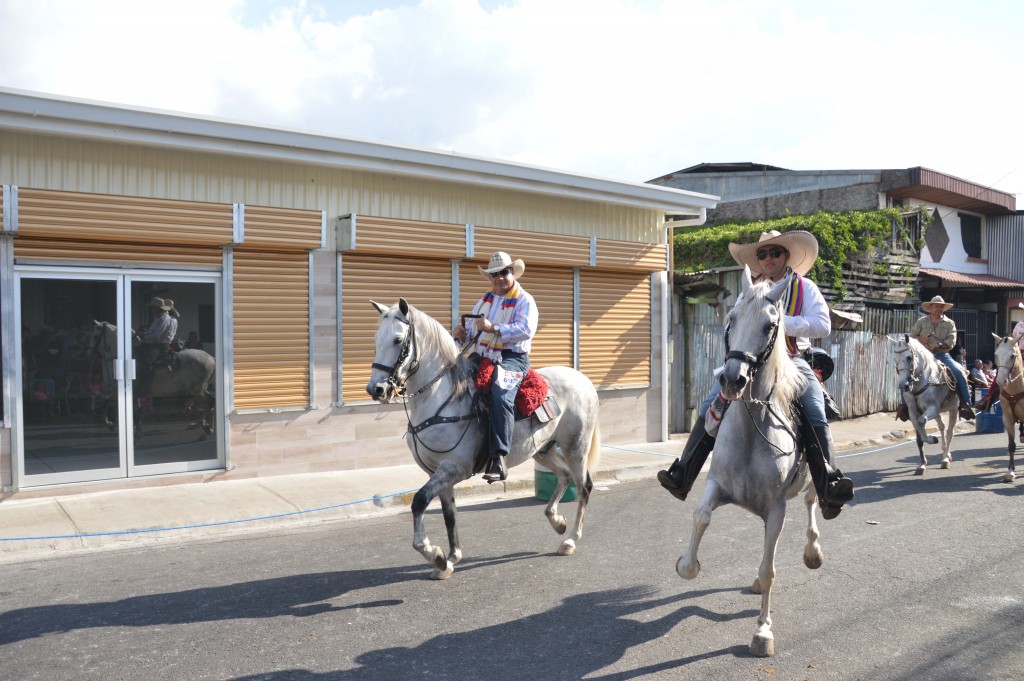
column 161, row 303
column 170, row 306
column 802, row 247
column 499, row 261
column 937, row 300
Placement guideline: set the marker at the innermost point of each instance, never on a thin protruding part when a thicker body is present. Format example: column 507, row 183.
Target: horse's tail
column 594, row 455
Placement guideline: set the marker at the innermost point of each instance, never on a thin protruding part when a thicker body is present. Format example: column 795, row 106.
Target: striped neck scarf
column 490, row 344
column 794, row 303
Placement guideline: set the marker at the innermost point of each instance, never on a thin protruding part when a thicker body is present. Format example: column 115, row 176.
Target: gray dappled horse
column 191, row 374
column 1010, row 379
column 928, row 396
column 755, row 464
column 417, row 358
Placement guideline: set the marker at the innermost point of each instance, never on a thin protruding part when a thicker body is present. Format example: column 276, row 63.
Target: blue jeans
column 503, row 399
column 811, row 399
column 961, row 382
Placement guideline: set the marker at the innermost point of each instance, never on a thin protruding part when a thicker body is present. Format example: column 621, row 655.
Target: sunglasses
column 503, row 273
column 774, row 253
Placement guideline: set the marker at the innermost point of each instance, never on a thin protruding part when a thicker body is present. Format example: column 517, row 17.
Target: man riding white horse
column 937, row 332
column 775, row 257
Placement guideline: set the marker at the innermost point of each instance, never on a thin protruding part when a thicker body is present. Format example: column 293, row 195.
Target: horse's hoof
column 919, row 471
column 454, row 557
column 932, row 440
column 755, row 588
column 814, row 558
column 945, row 465
column 443, row 574
column 440, row 562
column 567, row 548
column 687, row 571
column 1010, row 477
column 763, row 645
column 559, row 524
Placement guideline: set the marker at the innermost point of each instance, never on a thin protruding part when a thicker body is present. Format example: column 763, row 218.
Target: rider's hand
column 459, row 333
column 484, row 325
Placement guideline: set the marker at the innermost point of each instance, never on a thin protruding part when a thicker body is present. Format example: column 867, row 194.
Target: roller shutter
column 615, row 328
column 551, row 288
column 425, row 284
column 50, row 214
column 535, row 248
column 46, row 250
column 371, row 234
column 282, row 229
column 271, row 329
column 629, row 255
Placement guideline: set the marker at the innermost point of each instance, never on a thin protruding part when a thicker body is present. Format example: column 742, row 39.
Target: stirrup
column 496, row 470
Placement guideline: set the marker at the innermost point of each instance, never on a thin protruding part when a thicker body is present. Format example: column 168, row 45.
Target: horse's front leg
column 446, row 476
column 814, row 557
column 1011, row 447
column 688, row 566
column 448, row 510
column 763, row 643
column 946, row 427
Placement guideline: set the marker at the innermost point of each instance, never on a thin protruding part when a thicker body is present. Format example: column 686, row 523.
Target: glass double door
column 118, row 375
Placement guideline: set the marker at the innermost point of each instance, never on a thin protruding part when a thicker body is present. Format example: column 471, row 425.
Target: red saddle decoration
column 532, row 391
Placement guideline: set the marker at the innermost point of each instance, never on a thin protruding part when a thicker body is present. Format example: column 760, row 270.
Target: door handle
column 130, row 368
column 118, row 369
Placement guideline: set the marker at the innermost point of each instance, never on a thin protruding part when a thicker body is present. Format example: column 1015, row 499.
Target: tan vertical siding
column 425, row 284
column 271, row 329
column 615, row 328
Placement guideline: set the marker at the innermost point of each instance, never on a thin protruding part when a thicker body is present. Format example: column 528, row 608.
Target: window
column 970, row 232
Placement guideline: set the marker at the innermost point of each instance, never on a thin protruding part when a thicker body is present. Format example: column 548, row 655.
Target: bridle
column 755, row 362
column 1010, row 367
column 916, row 377
column 100, row 346
column 409, row 347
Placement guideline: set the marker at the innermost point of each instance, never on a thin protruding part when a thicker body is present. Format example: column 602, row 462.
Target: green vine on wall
column 842, row 237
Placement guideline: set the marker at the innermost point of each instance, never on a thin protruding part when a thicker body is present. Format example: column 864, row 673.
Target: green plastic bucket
column 544, row 483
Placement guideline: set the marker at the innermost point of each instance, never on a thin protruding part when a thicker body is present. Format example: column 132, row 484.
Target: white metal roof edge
column 50, row 114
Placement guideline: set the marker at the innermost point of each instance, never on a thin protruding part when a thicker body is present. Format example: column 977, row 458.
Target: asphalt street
column 922, row 580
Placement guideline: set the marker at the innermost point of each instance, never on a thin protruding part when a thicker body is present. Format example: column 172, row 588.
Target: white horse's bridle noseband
column 408, row 353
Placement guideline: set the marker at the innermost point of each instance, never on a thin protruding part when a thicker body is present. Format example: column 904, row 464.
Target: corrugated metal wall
column 1004, row 243
column 107, row 168
column 615, row 328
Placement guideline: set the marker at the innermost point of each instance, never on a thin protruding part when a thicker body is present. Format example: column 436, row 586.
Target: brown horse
column 1010, row 379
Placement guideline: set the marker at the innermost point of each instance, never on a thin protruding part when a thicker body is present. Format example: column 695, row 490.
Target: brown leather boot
column 902, row 413
column 965, row 411
column 680, row 476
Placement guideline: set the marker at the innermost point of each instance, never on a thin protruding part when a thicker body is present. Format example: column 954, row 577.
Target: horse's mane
column 434, row 335
column 778, row 370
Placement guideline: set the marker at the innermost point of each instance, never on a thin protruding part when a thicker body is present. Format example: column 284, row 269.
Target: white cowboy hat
column 170, row 307
column 937, row 300
column 802, row 247
column 499, row 261
column 161, row 303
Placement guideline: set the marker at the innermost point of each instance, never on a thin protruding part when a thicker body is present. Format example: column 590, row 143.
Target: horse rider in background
column 776, row 257
column 156, row 341
column 937, row 332
column 505, row 329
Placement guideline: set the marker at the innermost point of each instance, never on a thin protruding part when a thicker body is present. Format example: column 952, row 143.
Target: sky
column 622, row 89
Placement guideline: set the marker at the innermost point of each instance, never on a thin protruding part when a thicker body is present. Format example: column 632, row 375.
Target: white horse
column 1010, row 379
column 417, row 358
column 927, row 395
column 755, row 463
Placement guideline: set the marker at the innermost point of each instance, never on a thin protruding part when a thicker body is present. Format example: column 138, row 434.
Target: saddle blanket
column 532, row 391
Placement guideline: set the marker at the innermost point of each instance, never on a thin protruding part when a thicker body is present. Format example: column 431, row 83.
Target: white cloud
column 618, row 88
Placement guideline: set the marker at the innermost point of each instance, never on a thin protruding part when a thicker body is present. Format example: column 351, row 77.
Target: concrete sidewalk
column 40, row 527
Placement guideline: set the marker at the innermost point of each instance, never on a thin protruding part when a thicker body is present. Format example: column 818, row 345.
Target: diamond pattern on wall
column 936, row 238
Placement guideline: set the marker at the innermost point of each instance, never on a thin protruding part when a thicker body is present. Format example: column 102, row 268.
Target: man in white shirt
column 776, row 256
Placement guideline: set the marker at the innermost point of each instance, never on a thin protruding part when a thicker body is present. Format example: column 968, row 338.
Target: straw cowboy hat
column 937, row 300
column 499, row 261
column 161, row 303
column 802, row 247
column 173, row 310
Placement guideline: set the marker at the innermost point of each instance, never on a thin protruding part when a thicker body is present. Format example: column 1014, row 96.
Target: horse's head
column 395, row 358
column 752, row 329
column 906, row 362
column 103, row 340
column 1007, row 359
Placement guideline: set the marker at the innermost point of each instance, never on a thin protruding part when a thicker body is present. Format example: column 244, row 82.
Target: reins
column 1019, row 396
